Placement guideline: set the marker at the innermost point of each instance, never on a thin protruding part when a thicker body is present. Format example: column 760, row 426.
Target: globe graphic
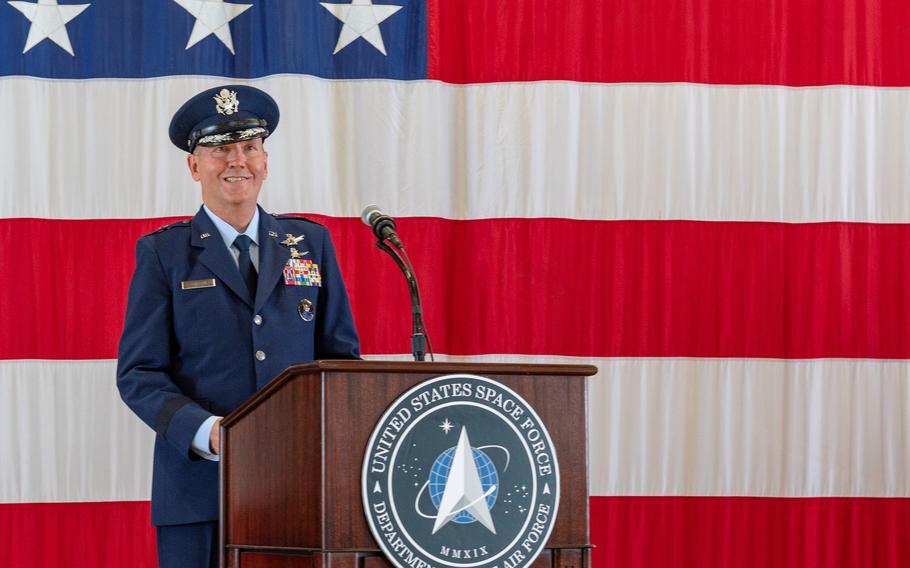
column 439, row 474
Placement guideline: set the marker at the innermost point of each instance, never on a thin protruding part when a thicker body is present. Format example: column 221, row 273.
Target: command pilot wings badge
column 291, row 240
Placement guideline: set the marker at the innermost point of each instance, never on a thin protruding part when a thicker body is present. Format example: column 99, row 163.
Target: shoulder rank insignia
column 291, row 240
column 281, row 217
column 184, row 223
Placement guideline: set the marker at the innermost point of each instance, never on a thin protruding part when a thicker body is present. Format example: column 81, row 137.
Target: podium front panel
column 291, row 469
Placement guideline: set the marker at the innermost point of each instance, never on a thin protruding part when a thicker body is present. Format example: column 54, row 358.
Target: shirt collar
column 229, row 233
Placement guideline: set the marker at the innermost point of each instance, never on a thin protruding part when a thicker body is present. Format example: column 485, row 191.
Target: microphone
column 383, row 226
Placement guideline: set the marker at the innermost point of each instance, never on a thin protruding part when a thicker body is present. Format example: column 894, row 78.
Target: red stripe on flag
column 77, row 535
column 63, row 286
column 530, row 286
column 627, row 531
column 750, row 531
column 811, row 42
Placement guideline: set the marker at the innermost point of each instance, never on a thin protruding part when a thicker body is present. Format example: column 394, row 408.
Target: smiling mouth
column 233, row 179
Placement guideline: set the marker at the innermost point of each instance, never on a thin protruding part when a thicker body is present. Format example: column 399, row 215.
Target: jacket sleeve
column 144, row 360
column 336, row 335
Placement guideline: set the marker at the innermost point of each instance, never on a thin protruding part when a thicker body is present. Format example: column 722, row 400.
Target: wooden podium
column 291, row 460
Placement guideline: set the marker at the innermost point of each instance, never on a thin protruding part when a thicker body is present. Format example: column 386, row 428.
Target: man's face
column 232, row 174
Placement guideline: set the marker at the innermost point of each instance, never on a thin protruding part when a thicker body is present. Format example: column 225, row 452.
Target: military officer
column 218, row 306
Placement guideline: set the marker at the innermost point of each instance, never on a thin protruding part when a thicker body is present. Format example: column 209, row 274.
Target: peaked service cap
column 223, row 115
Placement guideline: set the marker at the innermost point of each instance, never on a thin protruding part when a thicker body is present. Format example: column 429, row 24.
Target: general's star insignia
column 212, row 17
column 291, row 240
column 361, row 19
column 48, row 21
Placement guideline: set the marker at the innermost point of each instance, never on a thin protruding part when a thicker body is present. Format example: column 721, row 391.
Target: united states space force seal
column 460, row 472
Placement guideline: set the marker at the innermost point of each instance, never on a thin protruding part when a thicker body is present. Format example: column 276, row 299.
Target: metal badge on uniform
column 194, row 284
column 305, row 309
column 302, row 272
column 291, row 240
column 226, row 102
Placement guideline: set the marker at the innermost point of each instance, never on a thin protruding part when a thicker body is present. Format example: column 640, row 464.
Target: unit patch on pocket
column 300, row 272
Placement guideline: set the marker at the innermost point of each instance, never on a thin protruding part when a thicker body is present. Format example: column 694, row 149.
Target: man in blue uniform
column 218, row 306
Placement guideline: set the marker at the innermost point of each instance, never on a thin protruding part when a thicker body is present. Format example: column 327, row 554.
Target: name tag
column 193, row 284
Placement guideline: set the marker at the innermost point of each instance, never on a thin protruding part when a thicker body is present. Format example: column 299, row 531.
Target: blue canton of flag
column 340, row 39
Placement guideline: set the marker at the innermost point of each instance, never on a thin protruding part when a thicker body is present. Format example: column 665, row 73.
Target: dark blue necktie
column 242, row 243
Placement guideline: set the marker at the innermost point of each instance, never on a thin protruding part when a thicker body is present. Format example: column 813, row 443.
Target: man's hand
column 215, row 437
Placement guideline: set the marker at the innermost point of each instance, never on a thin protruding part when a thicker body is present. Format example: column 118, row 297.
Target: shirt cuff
column 200, row 443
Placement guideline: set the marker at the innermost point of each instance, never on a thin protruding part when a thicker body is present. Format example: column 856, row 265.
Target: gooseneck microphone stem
column 383, row 226
column 418, row 337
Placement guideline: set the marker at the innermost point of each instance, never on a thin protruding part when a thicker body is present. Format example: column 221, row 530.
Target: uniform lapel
column 216, row 257
column 272, row 257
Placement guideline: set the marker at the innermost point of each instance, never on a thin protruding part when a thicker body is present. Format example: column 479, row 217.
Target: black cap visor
column 228, row 132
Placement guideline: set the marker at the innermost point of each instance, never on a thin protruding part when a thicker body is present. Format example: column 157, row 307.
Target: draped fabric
column 709, row 201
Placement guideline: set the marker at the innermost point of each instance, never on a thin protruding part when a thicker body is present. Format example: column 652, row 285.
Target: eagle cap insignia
column 226, row 102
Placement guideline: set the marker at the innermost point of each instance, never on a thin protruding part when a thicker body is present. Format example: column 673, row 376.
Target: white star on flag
column 212, row 17
column 48, row 21
column 361, row 19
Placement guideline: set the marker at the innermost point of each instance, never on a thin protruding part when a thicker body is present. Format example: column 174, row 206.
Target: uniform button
column 257, row 319
column 260, row 355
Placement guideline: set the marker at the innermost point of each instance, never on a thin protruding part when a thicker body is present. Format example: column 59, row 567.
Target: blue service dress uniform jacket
column 190, row 350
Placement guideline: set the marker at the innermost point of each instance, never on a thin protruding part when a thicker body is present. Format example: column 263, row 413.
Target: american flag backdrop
column 707, row 199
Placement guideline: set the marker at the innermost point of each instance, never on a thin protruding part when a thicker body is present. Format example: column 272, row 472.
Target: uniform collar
column 229, row 233
column 217, row 257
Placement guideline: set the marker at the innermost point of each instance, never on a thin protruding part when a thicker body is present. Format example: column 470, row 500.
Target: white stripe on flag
column 721, row 427
column 744, row 427
column 557, row 149
column 68, row 437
